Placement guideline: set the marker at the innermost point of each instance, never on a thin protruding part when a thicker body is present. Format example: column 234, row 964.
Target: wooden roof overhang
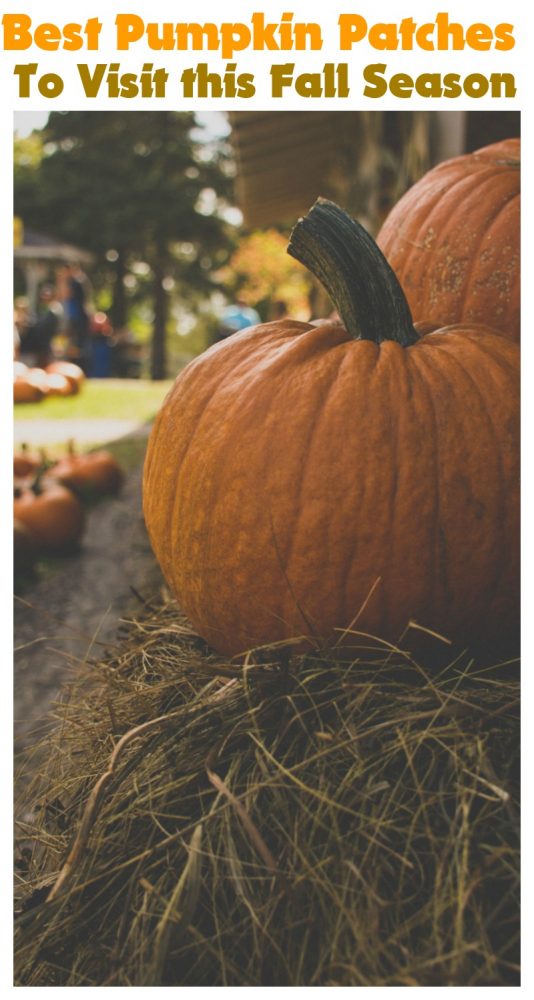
column 286, row 159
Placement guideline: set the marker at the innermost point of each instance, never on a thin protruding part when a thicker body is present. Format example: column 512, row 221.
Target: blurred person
column 21, row 322
column 237, row 317
column 74, row 289
column 101, row 333
column 36, row 337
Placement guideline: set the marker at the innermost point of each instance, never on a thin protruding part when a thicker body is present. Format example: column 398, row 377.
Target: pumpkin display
column 73, row 373
column 453, row 240
column 310, row 481
column 51, row 512
column 96, row 473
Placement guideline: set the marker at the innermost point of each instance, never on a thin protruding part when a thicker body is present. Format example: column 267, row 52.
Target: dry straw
column 301, row 821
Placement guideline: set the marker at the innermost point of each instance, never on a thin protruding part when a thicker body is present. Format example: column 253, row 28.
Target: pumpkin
column 453, row 240
column 58, row 385
column 27, row 389
column 73, row 373
column 97, row 473
column 40, row 378
column 51, row 512
column 25, row 462
column 303, row 482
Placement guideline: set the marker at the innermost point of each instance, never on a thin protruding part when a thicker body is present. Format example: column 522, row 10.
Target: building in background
column 365, row 160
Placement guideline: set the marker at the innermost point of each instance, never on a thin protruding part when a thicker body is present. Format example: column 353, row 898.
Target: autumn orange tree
column 261, row 272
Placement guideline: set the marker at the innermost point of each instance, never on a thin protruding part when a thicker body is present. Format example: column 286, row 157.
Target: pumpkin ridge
column 307, row 450
column 446, row 188
column 472, row 182
column 482, row 238
column 441, row 190
column 283, row 562
column 478, row 334
column 436, row 548
column 300, row 475
column 487, row 583
column 170, row 486
column 391, row 396
column 371, row 487
column 245, row 394
column 352, row 548
column 484, row 591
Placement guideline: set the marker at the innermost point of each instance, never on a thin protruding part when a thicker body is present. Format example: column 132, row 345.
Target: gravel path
column 60, row 618
column 43, row 432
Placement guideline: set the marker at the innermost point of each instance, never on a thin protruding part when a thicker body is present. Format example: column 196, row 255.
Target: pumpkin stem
column 354, row 272
column 37, row 484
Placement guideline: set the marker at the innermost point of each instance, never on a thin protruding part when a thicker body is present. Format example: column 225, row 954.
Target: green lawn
column 119, row 399
column 103, row 401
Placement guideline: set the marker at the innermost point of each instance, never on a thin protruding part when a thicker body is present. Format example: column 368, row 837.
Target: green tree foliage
column 132, row 186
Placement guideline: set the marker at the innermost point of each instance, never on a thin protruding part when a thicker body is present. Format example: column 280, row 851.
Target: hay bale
column 298, row 821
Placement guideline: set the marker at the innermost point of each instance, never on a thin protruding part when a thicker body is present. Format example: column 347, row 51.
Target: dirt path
column 60, row 618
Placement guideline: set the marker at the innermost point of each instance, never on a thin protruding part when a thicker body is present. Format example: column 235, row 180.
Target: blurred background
column 141, row 238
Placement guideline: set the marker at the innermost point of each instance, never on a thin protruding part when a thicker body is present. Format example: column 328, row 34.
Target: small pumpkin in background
column 306, row 483
column 40, row 378
column 93, row 474
column 51, row 512
column 57, row 384
column 73, row 373
column 27, row 388
column 25, row 462
column 453, row 240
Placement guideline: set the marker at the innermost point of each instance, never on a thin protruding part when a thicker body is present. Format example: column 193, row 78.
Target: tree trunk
column 159, row 353
column 118, row 308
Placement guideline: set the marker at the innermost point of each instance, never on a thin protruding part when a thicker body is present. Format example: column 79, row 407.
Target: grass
column 298, row 821
column 118, row 399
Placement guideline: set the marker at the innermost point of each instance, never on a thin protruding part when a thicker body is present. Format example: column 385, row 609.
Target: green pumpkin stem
column 355, row 273
column 37, row 484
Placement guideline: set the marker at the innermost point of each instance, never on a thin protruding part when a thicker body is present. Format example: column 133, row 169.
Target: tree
column 132, row 186
column 261, row 271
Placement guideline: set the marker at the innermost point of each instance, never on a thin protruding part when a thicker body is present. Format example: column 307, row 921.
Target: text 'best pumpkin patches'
column 316, row 481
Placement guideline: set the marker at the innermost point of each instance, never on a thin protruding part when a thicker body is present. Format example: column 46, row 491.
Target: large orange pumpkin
column 453, row 240
column 302, row 480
